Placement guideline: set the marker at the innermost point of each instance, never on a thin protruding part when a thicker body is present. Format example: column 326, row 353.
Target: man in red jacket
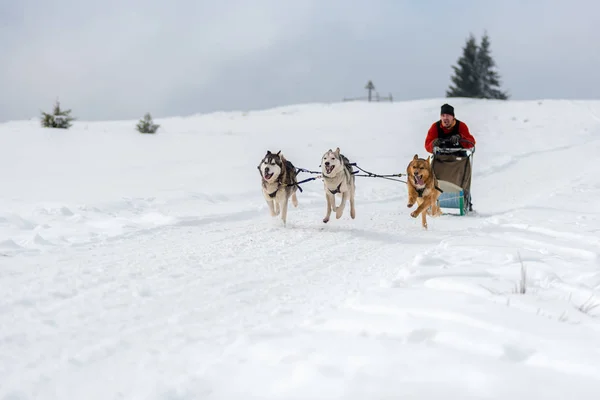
column 448, row 132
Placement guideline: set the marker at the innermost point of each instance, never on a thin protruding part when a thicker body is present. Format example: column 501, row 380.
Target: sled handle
column 441, row 150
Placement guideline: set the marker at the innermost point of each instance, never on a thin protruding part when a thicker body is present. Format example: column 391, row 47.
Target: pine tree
column 490, row 79
column 466, row 78
column 475, row 76
column 58, row 119
column 146, row 125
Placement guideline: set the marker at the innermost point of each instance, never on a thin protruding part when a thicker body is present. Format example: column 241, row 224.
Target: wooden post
column 370, row 87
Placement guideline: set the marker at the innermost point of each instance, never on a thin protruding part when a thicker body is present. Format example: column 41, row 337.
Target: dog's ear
column 282, row 158
column 278, row 153
column 337, row 150
column 416, row 157
column 428, row 157
column 268, row 152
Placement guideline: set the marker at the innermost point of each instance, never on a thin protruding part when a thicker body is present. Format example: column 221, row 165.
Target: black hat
column 447, row 109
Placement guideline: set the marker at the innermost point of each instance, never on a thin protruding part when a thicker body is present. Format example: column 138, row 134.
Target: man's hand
column 454, row 139
column 443, row 142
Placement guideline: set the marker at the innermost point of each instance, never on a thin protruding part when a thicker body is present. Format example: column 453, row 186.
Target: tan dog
column 338, row 178
column 422, row 188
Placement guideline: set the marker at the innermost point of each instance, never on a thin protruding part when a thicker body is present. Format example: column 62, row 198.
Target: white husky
column 338, row 179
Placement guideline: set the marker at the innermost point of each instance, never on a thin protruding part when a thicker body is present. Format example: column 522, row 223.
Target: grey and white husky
column 338, row 178
column 279, row 183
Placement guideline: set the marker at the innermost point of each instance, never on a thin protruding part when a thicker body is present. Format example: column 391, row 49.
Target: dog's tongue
column 419, row 180
column 268, row 176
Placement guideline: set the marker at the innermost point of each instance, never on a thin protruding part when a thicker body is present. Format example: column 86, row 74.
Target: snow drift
column 147, row 266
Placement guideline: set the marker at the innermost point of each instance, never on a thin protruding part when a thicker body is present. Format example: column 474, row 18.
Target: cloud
column 113, row 58
column 120, row 58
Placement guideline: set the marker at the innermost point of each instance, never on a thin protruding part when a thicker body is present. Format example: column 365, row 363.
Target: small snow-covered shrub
column 146, row 125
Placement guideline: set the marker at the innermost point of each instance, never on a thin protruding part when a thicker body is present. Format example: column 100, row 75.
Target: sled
column 452, row 168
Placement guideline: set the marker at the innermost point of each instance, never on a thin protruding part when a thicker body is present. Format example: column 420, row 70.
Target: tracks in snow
column 148, row 300
column 176, row 304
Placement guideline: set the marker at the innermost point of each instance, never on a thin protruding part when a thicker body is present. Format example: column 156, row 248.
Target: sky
column 118, row 59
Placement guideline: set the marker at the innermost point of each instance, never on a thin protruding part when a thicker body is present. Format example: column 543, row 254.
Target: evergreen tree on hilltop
column 147, row 125
column 61, row 119
column 475, row 75
column 466, row 77
column 490, row 79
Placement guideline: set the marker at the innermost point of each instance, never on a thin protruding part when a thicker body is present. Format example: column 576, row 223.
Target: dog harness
column 279, row 183
column 420, row 191
column 337, row 190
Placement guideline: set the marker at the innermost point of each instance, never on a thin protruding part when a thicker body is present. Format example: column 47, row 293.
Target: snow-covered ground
column 148, row 267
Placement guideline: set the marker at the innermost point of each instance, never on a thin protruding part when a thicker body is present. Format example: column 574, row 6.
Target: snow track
column 181, row 286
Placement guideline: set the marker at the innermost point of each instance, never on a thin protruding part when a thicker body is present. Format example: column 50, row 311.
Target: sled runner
column 452, row 168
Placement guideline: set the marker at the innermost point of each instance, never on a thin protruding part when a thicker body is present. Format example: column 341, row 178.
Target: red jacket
column 463, row 131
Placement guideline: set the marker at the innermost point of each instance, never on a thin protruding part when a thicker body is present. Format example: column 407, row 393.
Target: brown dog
column 422, row 188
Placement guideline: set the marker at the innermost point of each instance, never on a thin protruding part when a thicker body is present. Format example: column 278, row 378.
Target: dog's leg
column 412, row 196
column 271, row 209
column 430, row 209
column 284, row 208
column 339, row 211
column 352, row 209
column 294, row 199
column 424, row 219
column 420, row 209
column 330, row 206
column 435, row 208
column 277, row 208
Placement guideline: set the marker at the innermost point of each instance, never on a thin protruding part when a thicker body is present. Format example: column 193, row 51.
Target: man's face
column 447, row 120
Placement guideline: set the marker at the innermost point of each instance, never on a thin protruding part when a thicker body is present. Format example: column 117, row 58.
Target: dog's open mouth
column 268, row 175
column 329, row 168
column 419, row 180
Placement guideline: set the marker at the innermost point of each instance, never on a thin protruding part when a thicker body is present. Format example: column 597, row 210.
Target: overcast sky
column 117, row 59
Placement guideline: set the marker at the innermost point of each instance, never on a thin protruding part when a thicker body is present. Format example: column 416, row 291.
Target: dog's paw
column 352, row 214
column 325, row 220
column 414, row 214
column 409, row 205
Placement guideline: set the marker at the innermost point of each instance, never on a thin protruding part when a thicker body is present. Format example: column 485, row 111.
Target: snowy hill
column 147, row 266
